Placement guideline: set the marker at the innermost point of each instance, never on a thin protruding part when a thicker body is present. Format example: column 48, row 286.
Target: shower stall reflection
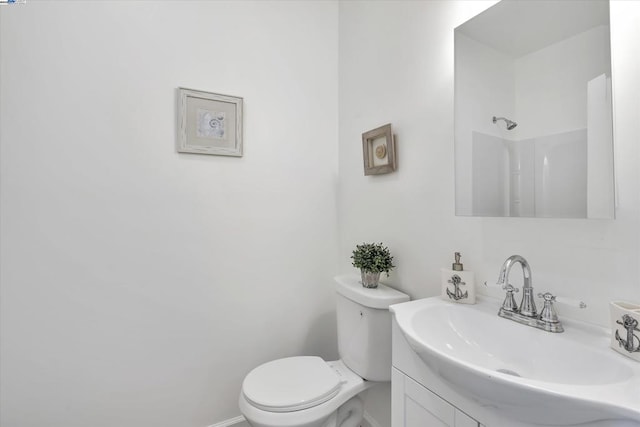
column 550, row 69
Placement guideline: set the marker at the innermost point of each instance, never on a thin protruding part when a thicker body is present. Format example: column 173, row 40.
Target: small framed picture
column 379, row 151
column 209, row 123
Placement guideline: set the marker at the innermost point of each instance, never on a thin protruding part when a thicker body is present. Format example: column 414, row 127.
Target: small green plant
column 373, row 257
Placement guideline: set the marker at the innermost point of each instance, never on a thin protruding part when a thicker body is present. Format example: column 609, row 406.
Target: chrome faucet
column 527, row 305
column 526, row 313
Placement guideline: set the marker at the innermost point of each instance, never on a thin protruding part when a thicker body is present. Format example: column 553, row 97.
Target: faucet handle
column 547, row 296
column 506, row 287
column 509, row 303
column 548, row 313
column 509, row 288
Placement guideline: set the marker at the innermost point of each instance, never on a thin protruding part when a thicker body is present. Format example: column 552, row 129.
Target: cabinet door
column 423, row 408
column 415, row 406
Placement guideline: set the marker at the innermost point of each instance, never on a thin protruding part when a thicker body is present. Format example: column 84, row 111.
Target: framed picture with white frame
column 209, row 123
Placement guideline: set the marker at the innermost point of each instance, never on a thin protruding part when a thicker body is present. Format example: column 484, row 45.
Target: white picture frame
column 209, row 123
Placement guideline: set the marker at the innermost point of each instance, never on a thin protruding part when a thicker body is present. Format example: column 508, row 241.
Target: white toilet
column 306, row 391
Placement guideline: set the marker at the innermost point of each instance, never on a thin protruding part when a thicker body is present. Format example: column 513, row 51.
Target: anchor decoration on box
column 458, row 277
column 632, row 343
column 457, row 294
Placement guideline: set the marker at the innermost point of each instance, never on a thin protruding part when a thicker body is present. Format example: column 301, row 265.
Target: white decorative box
column 625, row 329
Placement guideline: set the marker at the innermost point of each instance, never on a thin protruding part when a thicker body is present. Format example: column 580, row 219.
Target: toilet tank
column 364, row 327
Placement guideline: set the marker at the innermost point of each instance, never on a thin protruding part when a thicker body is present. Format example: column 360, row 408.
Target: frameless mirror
column 533, row 111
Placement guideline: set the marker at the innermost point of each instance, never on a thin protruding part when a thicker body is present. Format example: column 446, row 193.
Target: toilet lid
column 291, row 384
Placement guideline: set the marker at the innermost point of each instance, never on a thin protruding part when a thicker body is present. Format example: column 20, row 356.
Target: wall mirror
column 533, row 111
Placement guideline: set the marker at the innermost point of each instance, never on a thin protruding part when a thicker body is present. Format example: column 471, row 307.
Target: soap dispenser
column 458, row 285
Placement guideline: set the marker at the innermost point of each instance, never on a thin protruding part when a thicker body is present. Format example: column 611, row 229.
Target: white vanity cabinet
column 416, row 406
column 419, row 397
column 451, row 368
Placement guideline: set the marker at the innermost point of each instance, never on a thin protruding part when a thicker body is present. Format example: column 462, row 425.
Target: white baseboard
column 369, row 421
column 237, row 422
column 241, row 422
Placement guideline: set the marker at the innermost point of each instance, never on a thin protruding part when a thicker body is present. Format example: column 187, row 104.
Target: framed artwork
column 209, row 123
column 379, row 151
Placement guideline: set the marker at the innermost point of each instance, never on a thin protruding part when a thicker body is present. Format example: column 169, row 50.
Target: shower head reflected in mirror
column 510, row 124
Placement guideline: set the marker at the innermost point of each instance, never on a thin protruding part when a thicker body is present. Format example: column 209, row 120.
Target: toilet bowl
column 303, row 391
column 306, row 391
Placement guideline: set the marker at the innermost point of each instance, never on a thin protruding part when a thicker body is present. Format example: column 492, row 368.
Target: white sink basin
column 529, row 374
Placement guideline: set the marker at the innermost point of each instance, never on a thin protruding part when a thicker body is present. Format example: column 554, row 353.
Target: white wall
column 139, row 285
column 562, row 88
column 490, row 184
column 560, row 164
column 404, row 75
column 479, row 103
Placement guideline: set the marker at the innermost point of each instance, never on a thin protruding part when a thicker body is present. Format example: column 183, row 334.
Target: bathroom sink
column 529, row 374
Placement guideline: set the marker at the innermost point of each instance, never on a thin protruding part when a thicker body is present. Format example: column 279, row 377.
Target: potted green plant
column 372, row 259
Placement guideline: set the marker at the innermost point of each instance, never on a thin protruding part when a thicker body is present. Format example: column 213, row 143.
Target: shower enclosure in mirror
column 533, row 111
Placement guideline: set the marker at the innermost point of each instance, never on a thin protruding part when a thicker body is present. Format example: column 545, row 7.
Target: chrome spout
column 527, row 305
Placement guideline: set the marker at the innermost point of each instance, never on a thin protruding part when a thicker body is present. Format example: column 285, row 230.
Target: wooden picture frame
column 379, row 151
column 209, row 123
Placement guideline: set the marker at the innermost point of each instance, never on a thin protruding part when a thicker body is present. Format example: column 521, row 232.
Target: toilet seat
column 291, row 384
